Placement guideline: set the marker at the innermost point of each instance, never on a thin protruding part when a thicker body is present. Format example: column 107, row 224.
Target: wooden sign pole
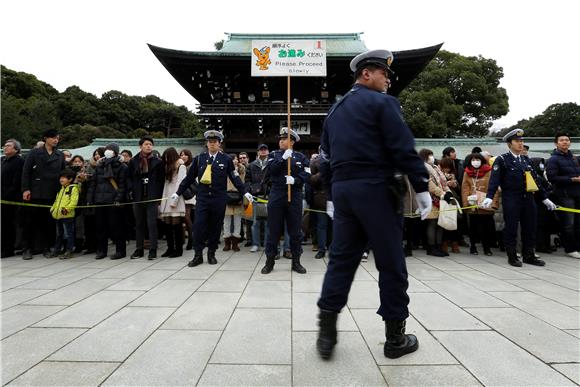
column 289, row 142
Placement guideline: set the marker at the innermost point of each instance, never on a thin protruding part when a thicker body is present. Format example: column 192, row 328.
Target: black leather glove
column 447, row 197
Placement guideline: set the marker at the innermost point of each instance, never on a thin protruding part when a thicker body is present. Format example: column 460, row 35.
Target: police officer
column 367, row 142
column 280, row 210
column 212, row 169
column 509, row 173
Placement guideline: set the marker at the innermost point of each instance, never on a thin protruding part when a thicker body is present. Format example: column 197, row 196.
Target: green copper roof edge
column 346, row 35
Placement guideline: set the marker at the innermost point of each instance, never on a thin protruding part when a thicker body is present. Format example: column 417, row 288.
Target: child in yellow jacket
column 63, row 210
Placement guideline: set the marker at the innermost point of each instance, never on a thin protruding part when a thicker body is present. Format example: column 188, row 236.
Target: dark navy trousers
column 364, row 210
column 280, row 212
column 209, row 220
column 519, row 209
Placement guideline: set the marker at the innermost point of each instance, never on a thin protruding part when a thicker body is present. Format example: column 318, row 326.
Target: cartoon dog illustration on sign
column 263, row 56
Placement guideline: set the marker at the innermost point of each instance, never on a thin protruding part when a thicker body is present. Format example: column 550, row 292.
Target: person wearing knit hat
column 114, row 147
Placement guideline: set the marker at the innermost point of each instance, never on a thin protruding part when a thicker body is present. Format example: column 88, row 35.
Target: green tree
column 559, row 117
column 455, row 96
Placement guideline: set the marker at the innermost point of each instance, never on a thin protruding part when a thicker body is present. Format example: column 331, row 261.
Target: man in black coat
column 12, row 164
column 146, row 176
column 40, row 185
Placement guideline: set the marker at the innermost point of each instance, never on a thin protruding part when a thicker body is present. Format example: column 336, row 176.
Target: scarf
column 477, row 173
column 143, row 162
column 108, row 167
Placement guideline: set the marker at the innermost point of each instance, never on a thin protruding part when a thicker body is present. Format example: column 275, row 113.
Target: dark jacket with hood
column 109, row 182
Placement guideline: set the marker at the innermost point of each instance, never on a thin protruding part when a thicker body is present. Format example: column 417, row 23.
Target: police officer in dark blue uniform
column 281, row 211
column 508, row 172
column 367, row 143
column 212, row 169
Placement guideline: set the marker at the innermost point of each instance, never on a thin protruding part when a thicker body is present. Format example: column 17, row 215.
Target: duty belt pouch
column 531, row 185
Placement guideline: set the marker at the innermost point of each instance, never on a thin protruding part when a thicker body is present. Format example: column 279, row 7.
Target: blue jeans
column 321, row 227
column 256, row 229
column 570, row 223
column 65, row 232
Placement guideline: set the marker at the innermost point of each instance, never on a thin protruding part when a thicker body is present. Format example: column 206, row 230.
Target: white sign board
column 281, row 58
column 302, row 127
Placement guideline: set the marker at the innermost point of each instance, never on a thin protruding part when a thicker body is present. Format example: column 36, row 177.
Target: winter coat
column 101, row 189
column 155, row 179
column 169, row 188
column 66, row 199
column 437, row 188
column 255, row 174
column 560, row 168
column 470, row 185
column 239, row 208
column 410, row 205
column 40, row 174
column 12, row 177
column 316, row 181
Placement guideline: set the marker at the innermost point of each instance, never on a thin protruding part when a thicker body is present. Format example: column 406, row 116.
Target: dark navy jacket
column 364, row 136
column 277, row 169
column 221, row 169
column 155, row 178
column 560, row 168
column 40, row 173
column 508, row 174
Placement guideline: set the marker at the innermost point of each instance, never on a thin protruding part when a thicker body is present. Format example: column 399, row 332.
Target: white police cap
column 382, row 58
column 515, row 134
column 284, row 134
column 213, row 135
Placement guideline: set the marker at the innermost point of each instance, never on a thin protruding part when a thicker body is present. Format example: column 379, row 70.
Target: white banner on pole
column 295, row 58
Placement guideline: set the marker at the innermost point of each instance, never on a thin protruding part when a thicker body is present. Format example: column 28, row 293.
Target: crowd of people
column 74, row 206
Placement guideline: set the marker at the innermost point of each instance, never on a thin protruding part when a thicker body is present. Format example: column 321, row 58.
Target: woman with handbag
column 172, row 211
column 473, row 191
column 234, row 210
column 447, row 166
column 439, row 191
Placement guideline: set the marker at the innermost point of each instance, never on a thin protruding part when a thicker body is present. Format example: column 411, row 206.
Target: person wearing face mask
column 108, row 186
column 77, row 165
column 473, row 191
column 439, row 190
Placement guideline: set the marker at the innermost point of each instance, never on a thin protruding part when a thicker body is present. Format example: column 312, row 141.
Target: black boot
column 398, row 343
column 408, row 250
column 178, row 249
column 269, row 266
column 152, row 254
column 473, row 250
column 211, row 257
column 197, row 259
column 327, row 333
column 435, row 251
column 297, row 267
column 513, row 257
column 137, row 254
column 530, row 258
column 170, row 236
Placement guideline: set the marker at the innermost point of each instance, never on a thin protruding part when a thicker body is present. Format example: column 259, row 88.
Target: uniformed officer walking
column 367, row 142
column 509, row 172
column 281, row 211
column 212, row 169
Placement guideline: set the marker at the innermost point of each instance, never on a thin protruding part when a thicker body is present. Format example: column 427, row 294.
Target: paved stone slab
column 305, row 314
column 426, row 272
column 541, row 339
column 15, row 297
column 53, row 266
column 546, row 289
column 91, row 310
column 571, row 370
column 436, row 313
column 241, row 262
column 61, row 279
column 167, row 358
column 280, row 273
column 169, row 293
column 574, row 332
column 464, row 295
column 22, row 316
column 416, row 286
column 364, row 294
column 499, row 271
column 446, row 264
column 172, row 263
column 351, row 365
column 25, row 349
column 202, row 272
column 12, row 282
column 124, row 270
column 74, row 292
column 496, row 361
column 204, row 311
column 372, row 328
column 484, row 282
column 550, row 311
column 266, row 294
column 412, row 376
column 309, row 282
column 226, row 281
column 246, row 375
column 114, row 339
column 255, row 336
column 568, row 281
column 143, row 280
column 66, row 374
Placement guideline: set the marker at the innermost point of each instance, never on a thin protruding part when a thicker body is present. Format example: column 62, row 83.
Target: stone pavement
column 139, row 322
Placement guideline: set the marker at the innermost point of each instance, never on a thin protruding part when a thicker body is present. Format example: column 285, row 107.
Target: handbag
column 447, row 216
column 234, row 198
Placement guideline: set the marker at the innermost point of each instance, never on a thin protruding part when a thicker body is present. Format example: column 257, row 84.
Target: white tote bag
column 447, row 215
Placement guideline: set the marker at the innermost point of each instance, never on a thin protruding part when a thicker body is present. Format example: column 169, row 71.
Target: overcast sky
column 101, row 45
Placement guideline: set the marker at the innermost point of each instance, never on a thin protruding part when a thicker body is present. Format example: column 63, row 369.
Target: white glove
column 289, row 180
column 549, row 204
column 287, row 154
column 330, row 209
column 175, row 196
column 249, row 197
column 486, row 203
column 424, row 203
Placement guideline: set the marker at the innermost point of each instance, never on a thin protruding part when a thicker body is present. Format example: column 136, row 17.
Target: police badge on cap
column 213, row 135
column 381, row 58
column 293, row 134
column 516, row 134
